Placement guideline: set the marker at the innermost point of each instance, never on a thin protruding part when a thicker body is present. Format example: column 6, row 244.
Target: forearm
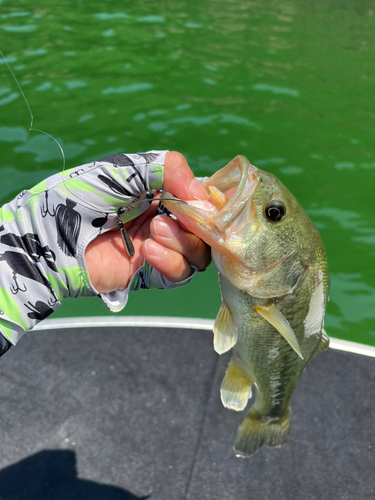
column 44, row 233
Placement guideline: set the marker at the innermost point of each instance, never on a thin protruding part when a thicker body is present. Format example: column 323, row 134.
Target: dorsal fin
column 323, row 345
column 276, row 319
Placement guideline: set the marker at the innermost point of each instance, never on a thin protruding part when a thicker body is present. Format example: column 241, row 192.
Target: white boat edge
column 171, row 322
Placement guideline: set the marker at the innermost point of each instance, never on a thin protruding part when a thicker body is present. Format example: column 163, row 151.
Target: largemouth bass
column 274, row 282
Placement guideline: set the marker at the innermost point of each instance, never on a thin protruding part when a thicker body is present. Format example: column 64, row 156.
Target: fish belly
column 265, row 360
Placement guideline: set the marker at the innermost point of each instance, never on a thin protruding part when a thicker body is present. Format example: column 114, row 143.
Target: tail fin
column 255, row 432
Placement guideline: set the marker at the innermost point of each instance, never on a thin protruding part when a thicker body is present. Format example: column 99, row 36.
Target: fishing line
column 31, row 115
column 128, row 244
column 32, row 119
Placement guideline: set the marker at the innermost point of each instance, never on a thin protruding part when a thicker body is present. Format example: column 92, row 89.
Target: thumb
column 180, row 180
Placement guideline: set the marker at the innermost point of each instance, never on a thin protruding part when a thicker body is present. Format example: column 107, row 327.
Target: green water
column 288, row 84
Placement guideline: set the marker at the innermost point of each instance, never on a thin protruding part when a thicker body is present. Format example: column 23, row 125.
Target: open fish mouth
column 230, row 189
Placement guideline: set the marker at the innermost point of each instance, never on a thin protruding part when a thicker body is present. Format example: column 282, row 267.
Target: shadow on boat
column 52, row 475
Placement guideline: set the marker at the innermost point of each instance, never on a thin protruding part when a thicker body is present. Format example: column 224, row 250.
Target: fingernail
column 164, row 230
column 197, row 190
column 153, row 248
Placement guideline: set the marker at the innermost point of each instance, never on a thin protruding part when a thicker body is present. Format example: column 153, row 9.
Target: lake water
column 288, row 84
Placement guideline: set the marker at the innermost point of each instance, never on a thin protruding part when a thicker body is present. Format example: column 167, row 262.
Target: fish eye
column 275, row 210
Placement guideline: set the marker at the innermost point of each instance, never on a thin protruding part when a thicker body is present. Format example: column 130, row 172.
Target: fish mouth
column 229, row 190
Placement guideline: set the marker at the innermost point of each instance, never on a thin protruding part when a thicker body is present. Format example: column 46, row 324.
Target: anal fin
column 235, row 390
column 225, row 330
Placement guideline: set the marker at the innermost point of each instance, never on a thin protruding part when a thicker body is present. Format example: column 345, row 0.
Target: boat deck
column 135, row 413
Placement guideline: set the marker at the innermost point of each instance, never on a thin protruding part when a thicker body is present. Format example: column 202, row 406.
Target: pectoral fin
column 225, row 330
column 276, row 319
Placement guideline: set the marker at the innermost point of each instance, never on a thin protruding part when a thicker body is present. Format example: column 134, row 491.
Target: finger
column 170, row 234
column 108, row 263
column 172, row 265
column 180, row 180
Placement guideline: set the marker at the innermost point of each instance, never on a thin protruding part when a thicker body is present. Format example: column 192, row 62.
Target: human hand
column 45, row 231
column 170, row 251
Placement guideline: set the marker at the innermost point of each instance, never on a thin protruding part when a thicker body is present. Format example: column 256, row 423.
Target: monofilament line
column 31, row 115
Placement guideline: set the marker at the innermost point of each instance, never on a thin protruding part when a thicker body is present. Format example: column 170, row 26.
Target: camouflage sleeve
column 44, row 232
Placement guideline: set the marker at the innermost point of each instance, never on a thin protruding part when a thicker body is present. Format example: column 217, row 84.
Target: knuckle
column 201, row 252
column 178, row 268
column 197, row 246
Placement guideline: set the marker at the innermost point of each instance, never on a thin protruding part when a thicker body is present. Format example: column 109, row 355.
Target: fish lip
column 221, row 219
column 187, row 209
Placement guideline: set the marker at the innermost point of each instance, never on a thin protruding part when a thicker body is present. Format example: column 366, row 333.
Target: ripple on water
column 13, row 134
column 36, row 52
column 220, row 118
column 139, row 117
column 85, row 118
column 181, row 107
column 15, row 14
column 151, row 19
column 193, row 25
column 350, row 220
column 24, row 179
column 211, row 67
column 75, row 84
column 274, row 160
column 26, row 28
column 291, row 170
column 202, row 120
column 7, row 60
column 44, row 149
column 344, row 165
column 106, row 16
column 127, row 89
column 348, row 165
column 157, row 112
column 354, row 299
column 44, row 86
column 265, row 87
column 9, row 98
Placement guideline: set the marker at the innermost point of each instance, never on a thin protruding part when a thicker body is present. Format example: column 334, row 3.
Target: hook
column 128, row 244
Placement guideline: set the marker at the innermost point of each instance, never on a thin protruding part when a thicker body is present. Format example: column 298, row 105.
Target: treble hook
column 128, row 244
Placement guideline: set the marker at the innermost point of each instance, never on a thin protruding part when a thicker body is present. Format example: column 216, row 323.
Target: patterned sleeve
column 44, row 232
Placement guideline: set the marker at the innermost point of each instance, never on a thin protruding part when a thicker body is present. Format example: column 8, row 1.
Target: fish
column 274, row 282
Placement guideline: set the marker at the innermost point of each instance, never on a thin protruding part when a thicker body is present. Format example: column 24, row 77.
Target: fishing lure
column 128, row 244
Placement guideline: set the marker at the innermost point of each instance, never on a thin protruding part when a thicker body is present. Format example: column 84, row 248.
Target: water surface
column 288, row 84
